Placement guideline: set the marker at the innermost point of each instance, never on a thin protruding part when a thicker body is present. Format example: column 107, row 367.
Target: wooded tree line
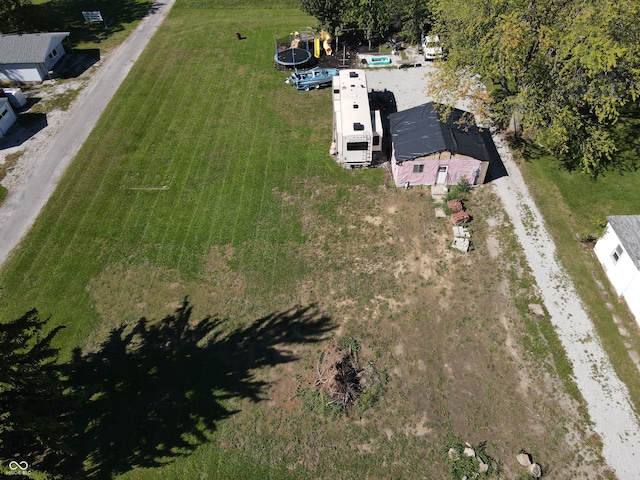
column 375, row 19
column 568, row 72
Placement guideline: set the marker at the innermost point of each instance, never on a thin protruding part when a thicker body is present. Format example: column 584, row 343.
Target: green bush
column 461, row 466
column 371, row 395
column 459, row 191
column 349, row 344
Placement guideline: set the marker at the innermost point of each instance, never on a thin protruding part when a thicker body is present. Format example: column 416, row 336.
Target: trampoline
column 292, row 57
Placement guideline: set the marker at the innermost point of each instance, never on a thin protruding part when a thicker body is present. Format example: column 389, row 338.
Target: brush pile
column 339, row 375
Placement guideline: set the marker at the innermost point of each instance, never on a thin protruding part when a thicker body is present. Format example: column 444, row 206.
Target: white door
column 442, row 174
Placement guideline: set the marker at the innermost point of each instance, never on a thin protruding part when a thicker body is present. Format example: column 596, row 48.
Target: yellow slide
column 326, row 42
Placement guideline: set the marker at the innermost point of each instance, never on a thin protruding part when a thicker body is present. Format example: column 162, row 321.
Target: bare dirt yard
column 459, row 351
column 463, row 351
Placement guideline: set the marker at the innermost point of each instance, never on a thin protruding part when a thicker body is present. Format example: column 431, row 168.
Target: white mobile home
column 7, row 116
column 357, row 131
column 619, row 253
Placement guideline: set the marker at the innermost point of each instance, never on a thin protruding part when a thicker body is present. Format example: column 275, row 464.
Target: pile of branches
column 339, row 375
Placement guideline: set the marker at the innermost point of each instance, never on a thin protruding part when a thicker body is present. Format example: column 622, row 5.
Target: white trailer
column 357, row 131
column 7, row 116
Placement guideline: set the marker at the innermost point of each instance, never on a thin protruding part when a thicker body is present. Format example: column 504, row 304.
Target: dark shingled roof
column 627, row 228
column 419, row 131
column 29, row 48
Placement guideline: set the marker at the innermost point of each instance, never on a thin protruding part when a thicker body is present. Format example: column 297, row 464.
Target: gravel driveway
column 606, row 396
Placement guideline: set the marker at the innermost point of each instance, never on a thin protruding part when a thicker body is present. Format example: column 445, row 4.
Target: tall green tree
column 568, row 70
column 329, row 13
column 31, row 388
column 13, row 15
column 415, row 19
column 373, row 17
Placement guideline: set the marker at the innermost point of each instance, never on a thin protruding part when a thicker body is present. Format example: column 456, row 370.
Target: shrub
column 598, row 223
column 375, row 385
column 459, row 191
column 349, row 344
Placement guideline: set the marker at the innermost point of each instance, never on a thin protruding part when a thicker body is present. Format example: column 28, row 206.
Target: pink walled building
column 429, row 151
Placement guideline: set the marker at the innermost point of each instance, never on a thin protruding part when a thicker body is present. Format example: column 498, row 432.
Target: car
column 431, row 47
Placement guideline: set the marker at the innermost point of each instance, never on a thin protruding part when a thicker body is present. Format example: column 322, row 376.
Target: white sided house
column 7, row 116
column 619, row 253
column 357, row 131
column 29, row 57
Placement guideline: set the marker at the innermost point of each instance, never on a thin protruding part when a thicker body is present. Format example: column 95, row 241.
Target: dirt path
column 29, row 193
column 606, row 396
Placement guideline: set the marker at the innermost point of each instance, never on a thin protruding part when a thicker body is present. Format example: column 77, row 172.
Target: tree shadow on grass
column 66, row 15
column 154, row 389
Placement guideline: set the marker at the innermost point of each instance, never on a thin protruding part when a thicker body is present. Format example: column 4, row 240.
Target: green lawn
column 191, row 158
column 120, row 17
column 215, row 125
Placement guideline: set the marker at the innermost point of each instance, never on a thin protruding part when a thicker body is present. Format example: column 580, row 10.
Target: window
column 376, row 139
column 357, row 146
column 617, row 253
column 419, row 168
column 53, row 54
column 4, row 112
column 358, row 126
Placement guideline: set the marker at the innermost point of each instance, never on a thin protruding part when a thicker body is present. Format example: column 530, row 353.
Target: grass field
column 208, row 179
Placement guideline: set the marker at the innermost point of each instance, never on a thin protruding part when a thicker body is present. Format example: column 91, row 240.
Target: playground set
column 301, row 49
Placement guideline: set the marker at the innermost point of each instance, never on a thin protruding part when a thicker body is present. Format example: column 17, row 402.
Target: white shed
column 7, row 116
column 29, row 57
column 619, row 253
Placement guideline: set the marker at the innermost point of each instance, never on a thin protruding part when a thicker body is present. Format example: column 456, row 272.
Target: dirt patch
column 442, row 324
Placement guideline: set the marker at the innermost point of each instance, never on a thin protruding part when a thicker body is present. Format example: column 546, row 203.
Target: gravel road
column 606, row 396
